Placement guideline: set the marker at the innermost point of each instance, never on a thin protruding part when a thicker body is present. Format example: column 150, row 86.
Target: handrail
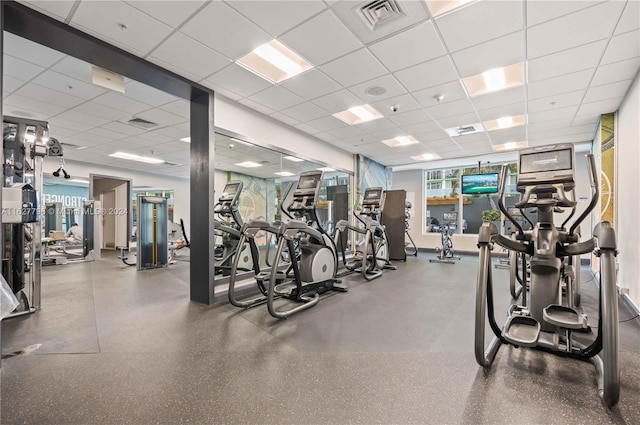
column 595, row 195
column 503, row 208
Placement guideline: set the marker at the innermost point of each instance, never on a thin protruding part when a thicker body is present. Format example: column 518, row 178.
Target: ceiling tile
column 15, row 102
column 401, row 50
column 566, row 62
column 558, row 101
column 427, row 74
column 72, row 67
column 188, row 55
column 221, row 92
column 105, row 133
column 336, row 39
column 513, row 134
column 500, row 52
column 459, row 120
column 276, row 17
column 257, row 106
column 481, row 21
column 600, row 107
column 102, row 19
column 55, row 123
column 277, row 98
column 376, row 125
column 225, row 30
column 500, row 98
column 388, row 82
column 403, row 103
column 463, row 106
column 75, row 116
column 56, row 9
column 354, row 68
column 118, row 101
column 327, row 123
column 306, row 128
column 326, row 137
column 413, row 12
column 20, row 69
column 146, row 94
column 407, row 118
column 44, row 94
column 311, row 84
column 541, row 11
column 608, row 91
column 179, row 107
column 618, row 71
column 558, row 113
column 427, row 126
column 582, row 27
column 11, row 84
column 172, row 13
column 61, row 83
column 239, row 80
column 338, row 101
column 623, row 46
column 284, row 118
column 451, row 91
column 346, row 132
column 629, row 20
column 503, row 111
column 306, row 112
column 161, row 117
column 30, row 51
column 470, row 140
column 564, row 84
column 124, row 128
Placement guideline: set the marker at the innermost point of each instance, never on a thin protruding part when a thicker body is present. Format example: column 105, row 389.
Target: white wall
column 181, row 188
column 265, row 131
column 627, row 194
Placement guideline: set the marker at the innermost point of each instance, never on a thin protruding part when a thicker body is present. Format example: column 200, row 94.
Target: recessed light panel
column 358, row 114
column 139, row 158
column 274, row 62
column 510, row 146
column 186, row 139
column 292, row 158
column 400, row 141
column 248, row 164
column 326, row 169
column 284, row 174
column 505, row 122
column 495, row 79
column 438, row 7
column 425, row 157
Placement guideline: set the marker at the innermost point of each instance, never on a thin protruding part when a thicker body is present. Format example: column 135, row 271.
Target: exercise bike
column 313, row 270
column 545, row 319
column 408, row 245
column 372, row 254
column 446, row 254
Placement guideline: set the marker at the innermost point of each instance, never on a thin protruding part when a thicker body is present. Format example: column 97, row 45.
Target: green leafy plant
column 491, row 215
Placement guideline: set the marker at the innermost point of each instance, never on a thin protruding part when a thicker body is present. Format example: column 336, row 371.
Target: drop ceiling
column 581, row 58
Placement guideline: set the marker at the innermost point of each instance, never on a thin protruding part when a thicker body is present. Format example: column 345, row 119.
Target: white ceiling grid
column 581, row 57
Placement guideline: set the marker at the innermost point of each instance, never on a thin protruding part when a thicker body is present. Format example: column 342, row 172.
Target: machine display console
column 372, row 196
column 231, row 189
column 549, row 164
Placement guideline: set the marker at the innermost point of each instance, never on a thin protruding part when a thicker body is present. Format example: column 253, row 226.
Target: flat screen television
column 450, row 216
column 474, row 184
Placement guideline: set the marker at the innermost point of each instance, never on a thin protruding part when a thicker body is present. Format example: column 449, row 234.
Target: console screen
column 231, row 188
column 309, row 182
column 537, row 162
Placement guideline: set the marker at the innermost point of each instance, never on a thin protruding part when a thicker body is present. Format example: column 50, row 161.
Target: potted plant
column 491, row 215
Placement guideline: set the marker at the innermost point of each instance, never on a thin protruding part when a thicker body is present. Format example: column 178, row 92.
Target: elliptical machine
column 372, row 255
column 227, row 226
column 547, row 320
column 446, row 253
column 314, row 270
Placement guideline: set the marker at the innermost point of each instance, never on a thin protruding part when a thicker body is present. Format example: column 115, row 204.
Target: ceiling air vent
column 142, row 123
column 379, row 12
column 463, row 130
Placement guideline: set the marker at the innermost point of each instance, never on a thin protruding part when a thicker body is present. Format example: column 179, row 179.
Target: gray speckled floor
column 127, row 347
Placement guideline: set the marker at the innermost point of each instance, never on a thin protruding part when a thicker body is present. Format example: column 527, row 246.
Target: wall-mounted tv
column 474, row 184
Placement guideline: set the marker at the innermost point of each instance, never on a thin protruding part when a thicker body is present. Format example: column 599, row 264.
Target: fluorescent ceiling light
column 465, row 129
column 438, row 7
column 186, row 139
column 510, row 146
column 292, row 158
column 274, row 62
column 495, row 79
column 78, row 181
column 284, row 174
column 139, row 158
column 242, row 142
column 425, row 157
column 358, row 114
column 505, row 122
column 326, row 169
column 248, row 164
column 400, row 141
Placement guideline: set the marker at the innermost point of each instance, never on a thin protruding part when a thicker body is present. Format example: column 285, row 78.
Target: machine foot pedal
column 565, row 317
column 522, row 330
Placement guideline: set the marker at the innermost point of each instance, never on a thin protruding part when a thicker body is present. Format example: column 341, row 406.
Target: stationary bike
column 547, row 319
column 372, row 254
column 410, row 247
column 446, row 253
column 314, row 270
